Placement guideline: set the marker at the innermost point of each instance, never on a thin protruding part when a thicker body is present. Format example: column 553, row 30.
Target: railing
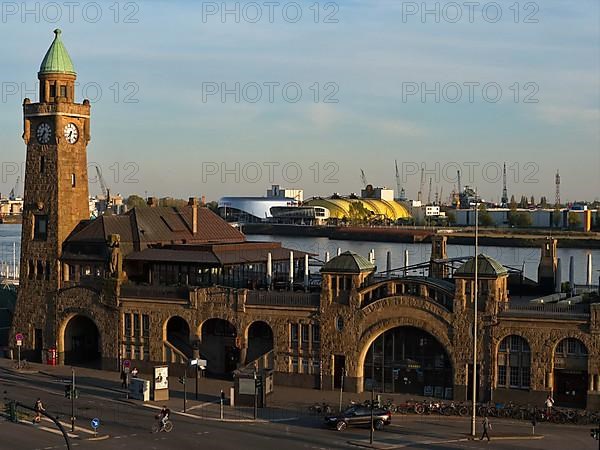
column 291, row 299
column 558, row 310
column 407, row 286
column 95, row 283
column 173, row 354
column 263, row 362
column 155, row 292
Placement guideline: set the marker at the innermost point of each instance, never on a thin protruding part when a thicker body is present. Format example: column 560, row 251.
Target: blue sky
column 170, row 142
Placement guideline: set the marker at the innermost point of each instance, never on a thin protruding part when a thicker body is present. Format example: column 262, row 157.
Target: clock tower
column 56, row 132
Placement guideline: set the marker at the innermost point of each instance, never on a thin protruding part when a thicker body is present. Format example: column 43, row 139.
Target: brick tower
column 56, row 132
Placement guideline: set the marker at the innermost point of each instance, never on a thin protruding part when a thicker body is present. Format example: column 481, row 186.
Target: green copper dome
column 57, row 59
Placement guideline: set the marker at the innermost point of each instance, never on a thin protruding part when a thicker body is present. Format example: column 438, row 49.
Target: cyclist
column 163, row 416
column 38, row 408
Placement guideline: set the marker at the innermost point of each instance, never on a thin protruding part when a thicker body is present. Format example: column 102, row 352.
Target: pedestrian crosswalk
column 49, row 426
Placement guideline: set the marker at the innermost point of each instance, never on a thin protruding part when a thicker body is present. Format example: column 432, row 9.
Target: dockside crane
column 429, row 193
column 401, row 193
column 421, row 185
column 363, row 178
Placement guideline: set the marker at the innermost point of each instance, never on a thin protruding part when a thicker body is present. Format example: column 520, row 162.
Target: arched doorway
column 570, row 373
column 82, row 342
column 178, row 335
column 408, row 360
column 260, row 340
column 219, row 346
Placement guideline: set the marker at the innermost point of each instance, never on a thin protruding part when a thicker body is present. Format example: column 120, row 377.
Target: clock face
column 71, row 133
column 44, row 132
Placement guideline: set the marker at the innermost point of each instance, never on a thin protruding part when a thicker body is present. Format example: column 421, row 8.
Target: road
column 126, row 425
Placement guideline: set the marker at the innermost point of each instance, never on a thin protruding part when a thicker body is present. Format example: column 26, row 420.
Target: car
column 359, row 416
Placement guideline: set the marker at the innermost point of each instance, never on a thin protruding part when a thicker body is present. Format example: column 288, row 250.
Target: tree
column 523, row 202
column 543, row 201
column 213, row 206
column 556, row 217
column 485, row 219
column 172, row 202
column 519, row 219
column 532, row 200
column 135, row 201
column 451, row 218
column 513, row 202
column 574, row 220
column 358, row 213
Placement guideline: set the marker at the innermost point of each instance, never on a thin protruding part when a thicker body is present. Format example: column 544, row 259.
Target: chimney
column 152, row 202
column 203, row 200
column 193, row 202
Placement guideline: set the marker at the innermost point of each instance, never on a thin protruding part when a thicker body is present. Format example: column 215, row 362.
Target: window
column 40, row 227
column 316, row 334
column 73, row 180
column 294, row 334
column 53, row 90
column 146, row 326
column 571, row 347
column 40, row 270
column 295, row 364
column 316, row 366
column 127, row 320
column 42, row 164
column 339, row 323
column 305, row 331
column 136, row 325
column 514, row 360
column 63, row 91
column 304, row 365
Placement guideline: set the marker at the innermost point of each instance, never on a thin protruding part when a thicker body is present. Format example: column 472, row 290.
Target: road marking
column 68, row 425
column 50, row 430
column 203, row 405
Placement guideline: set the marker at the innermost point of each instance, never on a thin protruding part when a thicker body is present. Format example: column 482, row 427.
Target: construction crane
column 401, row 193
column 14, row 193
column 429, row 193
column 363, row 178
column 458, row 181
column 441, row 201
column 421, row 185
column 105, row 190
column 504, row 200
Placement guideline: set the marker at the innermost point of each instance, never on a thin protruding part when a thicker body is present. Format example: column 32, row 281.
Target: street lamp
column 474, row 391
column 255, row 395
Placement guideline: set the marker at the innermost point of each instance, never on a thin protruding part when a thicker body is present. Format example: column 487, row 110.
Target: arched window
column 571, row 347
column 514, row 361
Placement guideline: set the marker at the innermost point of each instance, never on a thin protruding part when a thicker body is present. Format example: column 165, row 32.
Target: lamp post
column 372, row 390
column 474, row 391
column 255, row 395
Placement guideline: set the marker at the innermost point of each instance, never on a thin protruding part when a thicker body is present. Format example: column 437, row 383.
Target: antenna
column 557, row 182
column 504, row 201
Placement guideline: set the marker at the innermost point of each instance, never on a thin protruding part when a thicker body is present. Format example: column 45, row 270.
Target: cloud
column 397, row 128
column 561, row 114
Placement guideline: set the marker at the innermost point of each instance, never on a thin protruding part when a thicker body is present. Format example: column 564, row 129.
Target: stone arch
column 260, row 339
column 570, row 371
column 219, row 345
column 79, row 339
column 408, row 357
column 433, row 327
column 176, row 324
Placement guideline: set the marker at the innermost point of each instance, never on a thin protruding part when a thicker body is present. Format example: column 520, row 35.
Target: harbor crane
column 363, row 178
column 421, row 185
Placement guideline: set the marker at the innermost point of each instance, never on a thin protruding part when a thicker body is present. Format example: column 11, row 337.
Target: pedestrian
column 123, row 379
column 549, row 404
column 38, row 408
column 487, row 426
column 134, row 372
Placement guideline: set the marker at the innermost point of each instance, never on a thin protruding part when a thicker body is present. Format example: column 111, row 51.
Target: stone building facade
column 164, row 285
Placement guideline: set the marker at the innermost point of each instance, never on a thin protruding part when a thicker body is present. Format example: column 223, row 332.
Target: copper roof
column 158, row 225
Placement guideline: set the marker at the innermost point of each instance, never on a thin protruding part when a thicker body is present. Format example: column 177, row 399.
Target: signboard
column 95, row 423
column 246, row 386
column 126, row 364
column 19, row 339
column 161, row 377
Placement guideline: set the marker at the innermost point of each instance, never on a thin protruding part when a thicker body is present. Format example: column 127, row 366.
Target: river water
column 520, row 257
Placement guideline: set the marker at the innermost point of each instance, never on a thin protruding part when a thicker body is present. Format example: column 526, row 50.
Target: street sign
column 126, row 363
column 19, row 339
column 95, row 423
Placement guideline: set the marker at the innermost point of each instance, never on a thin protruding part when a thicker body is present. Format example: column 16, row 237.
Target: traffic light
column 68, row 391
column 182, row 380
